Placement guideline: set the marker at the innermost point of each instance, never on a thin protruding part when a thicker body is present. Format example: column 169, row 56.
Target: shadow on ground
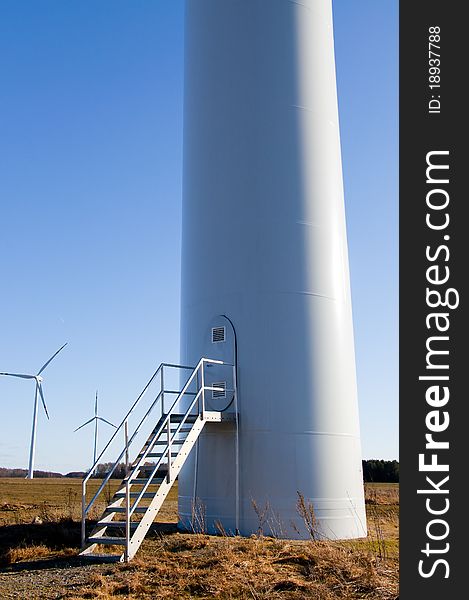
column 60, row 541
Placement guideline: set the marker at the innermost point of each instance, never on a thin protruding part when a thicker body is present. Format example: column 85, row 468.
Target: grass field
column 40, row 537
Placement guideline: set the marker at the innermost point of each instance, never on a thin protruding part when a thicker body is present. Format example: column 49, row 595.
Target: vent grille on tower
column 221, row 391
column 218, row 334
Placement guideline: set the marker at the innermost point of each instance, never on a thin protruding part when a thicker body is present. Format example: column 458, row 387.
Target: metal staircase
column 131, row 511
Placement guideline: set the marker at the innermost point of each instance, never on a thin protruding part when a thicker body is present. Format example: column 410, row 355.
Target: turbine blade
column 39, row 386
column 18, row 375
column 108, row 422
column 96, row 405
column 87, row 423
column 51, row 358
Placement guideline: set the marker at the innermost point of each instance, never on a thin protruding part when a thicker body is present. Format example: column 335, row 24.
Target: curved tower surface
column 264, row 244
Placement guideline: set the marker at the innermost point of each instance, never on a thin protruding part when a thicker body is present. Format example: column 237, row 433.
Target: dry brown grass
column 382, row 494
column 175, row 566
column 33, row 552
column 200, row 566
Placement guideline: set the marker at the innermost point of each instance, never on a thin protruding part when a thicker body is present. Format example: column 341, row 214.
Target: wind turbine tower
column 96, row 418
column 37, row 392
column 264, row 256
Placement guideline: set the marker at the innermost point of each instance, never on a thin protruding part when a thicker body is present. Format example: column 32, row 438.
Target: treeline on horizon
column 101, row 471
column 374, row 471
column 380, row 471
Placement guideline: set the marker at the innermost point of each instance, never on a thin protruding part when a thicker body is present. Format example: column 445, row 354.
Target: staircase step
column 151, row 466
column 122, row 509
column 178, row 418
column 134, row 495
column 160, row 454
column 109, row 541
column 133, row 524
column 184, row 429
column 162, row 440
column 102, row 557
column 153, row 454
column 140, row 481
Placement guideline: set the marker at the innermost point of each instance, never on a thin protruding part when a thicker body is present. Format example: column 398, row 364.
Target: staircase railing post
column 169, row 450
column 202, row 384
column 162, row 390
column 83, row 514
column 126, row 440
column 197, row 388
column 127, row 520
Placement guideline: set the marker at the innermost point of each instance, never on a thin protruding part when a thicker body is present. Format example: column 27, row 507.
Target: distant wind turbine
column 96, row 418
column 39, row 391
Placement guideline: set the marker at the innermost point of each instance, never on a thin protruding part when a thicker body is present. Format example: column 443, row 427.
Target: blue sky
column 90, row 221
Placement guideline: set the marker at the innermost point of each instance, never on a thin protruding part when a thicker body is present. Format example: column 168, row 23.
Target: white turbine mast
column 38, row 390
column 96, row 418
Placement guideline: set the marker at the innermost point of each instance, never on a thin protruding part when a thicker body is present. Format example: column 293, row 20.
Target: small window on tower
column 218, row 335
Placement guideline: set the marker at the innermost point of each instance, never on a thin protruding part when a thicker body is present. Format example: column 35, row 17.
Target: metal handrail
column 165, row 423
column 132, row 408
column 171, row 438
column 124, row 451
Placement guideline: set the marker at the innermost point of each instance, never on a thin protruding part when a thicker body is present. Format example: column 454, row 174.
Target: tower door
column 220, row 344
